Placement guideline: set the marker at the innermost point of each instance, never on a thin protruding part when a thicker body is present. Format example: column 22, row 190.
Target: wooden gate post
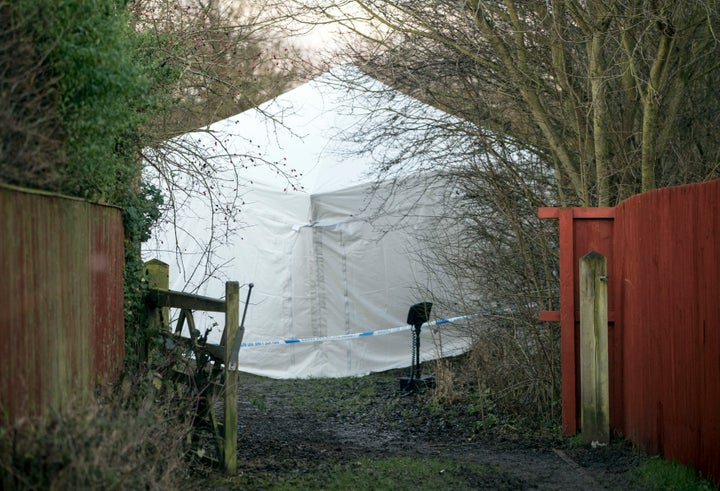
column 594, row 378
column 157, row 274
column 232, row 321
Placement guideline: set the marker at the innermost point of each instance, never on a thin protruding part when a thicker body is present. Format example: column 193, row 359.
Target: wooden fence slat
column 594, row 379
column 578, row 213
column 61, row 323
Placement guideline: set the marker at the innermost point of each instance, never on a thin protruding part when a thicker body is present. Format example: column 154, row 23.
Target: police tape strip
column 380, row 332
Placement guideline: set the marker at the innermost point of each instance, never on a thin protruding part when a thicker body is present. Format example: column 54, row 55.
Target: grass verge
column 655, row 473
column 384, row 473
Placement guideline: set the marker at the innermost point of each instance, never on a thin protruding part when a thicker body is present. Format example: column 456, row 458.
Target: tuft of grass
column 575, row 441
column 496, row 390
column 655, row 473
column 446, row 390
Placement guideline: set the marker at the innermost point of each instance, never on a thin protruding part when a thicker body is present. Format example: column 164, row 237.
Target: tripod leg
column 417, row 352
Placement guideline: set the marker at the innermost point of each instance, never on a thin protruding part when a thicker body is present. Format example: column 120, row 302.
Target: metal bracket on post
column 234, row 355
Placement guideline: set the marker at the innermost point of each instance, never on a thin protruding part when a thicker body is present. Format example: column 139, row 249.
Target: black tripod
column 417, row 316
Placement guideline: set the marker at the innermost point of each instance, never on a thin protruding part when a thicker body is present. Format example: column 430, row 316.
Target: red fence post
column 566, row 316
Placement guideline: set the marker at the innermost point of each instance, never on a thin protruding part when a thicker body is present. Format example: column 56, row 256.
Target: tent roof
column 312, row 135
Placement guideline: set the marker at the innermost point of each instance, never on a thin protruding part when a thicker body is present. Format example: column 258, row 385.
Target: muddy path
column 291, row 427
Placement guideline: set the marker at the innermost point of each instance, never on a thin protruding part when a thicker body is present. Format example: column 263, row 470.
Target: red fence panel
column 61, row 299
column 670, row 267
column 663, row 250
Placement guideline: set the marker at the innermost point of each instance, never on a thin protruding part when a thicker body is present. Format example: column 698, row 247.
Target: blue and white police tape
column 380, row 332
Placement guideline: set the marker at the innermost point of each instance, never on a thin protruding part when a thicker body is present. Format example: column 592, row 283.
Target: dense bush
column 83, row 54
column 136, row 440
column 30, row 133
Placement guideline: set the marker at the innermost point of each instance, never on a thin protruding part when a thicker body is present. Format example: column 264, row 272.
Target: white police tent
column 286, row 196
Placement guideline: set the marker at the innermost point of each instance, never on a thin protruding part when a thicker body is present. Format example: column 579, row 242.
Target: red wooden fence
column 663, row 250
column 61, row 300
column 582, row 230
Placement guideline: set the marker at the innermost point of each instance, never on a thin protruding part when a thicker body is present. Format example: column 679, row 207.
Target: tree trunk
column 599, row 108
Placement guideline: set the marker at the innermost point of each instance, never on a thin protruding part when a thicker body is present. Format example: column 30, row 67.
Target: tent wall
column 331, row 259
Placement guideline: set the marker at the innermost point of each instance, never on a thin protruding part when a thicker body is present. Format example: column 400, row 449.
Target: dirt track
column 291, row 427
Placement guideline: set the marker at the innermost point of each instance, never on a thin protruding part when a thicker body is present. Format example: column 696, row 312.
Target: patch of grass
column 321, row 395
column 656, row 473
column 575, row 441
column 390, row 473
column 480, row 384
column 379, row 397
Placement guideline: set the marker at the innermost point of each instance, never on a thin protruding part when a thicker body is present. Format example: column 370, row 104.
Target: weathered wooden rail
column 226, row 353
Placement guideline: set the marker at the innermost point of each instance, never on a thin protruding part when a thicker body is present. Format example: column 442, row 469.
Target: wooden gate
column 583, row 230
column 225, row 354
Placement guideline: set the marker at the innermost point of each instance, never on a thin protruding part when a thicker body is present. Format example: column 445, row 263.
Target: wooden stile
column 161, row 299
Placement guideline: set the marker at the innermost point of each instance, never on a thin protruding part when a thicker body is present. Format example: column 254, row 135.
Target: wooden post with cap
column 232, row 321
column 594, row 373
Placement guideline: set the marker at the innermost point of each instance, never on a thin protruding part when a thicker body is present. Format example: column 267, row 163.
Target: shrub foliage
column 76, row 94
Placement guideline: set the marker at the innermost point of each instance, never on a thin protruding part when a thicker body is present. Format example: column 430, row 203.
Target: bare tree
column 610, row 94
column 571, row 103
column 212, row 60
column 216, row 59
